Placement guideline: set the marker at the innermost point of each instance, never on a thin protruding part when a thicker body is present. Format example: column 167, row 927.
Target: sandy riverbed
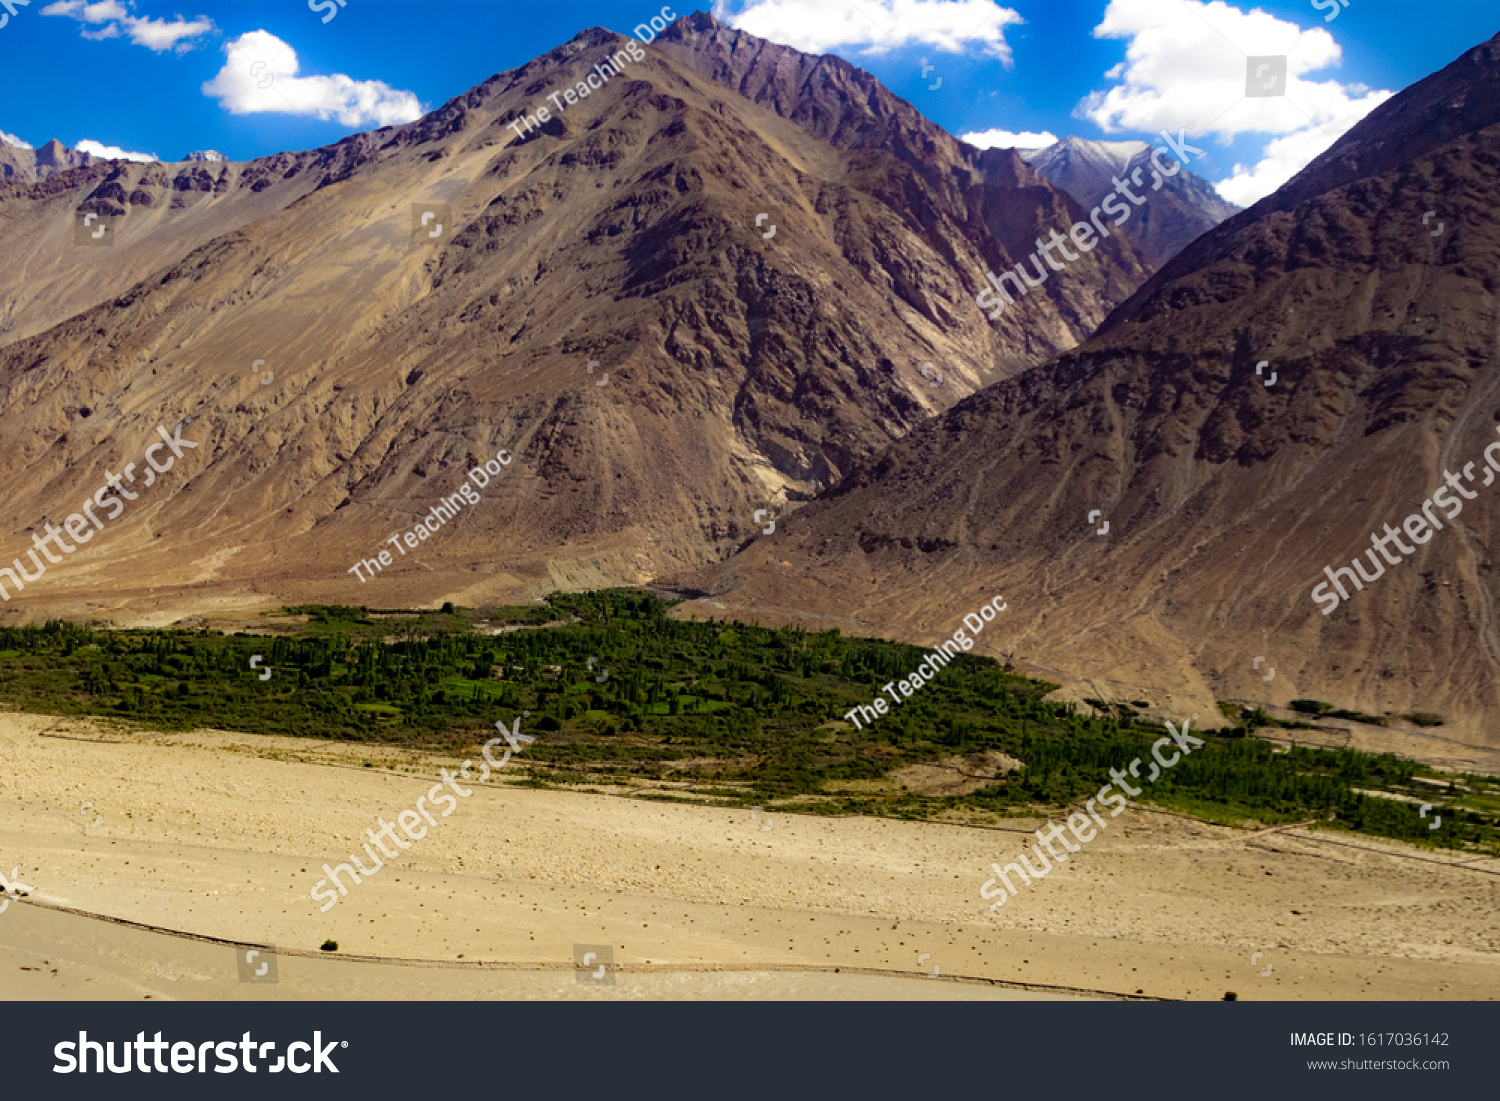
column 223, row 836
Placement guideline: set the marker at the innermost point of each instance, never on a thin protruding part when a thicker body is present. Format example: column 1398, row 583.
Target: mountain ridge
column 1301, row 374
column 745, row 371
column 1185, row 208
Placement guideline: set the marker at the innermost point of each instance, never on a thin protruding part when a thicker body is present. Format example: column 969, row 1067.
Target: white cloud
column 1186, row 65
column 159, row 35
column 1284, row 157
column 112, row 152
column 11, row 139
column 260, row 76
column 112, row 19
column 88, row 13
column 1005, row 139
column 876, row 26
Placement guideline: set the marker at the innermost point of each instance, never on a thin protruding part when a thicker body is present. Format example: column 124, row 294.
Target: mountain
column 1367, row 287
column 212, row 156
column 1183, row 210
column 711, row 284
column 990, row 201
column 33, row 165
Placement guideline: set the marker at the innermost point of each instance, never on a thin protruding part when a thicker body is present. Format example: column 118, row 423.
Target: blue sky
column 256, row 77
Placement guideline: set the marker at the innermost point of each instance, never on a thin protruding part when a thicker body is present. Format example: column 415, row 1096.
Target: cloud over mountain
column 877, row 26
column 1007, row 139
column 260, row 76
column 112, row 152
column 1185, row 66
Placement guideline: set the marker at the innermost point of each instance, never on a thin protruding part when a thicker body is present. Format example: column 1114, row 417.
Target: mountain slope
column 957, row 197
column 345, row 373
column 1183, row 210
column 1225, row 498
column 165, row 212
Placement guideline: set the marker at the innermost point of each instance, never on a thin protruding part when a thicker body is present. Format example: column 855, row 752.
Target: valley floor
column 223, row 836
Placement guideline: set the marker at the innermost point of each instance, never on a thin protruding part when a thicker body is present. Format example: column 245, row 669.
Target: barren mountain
column 709, row 283
column 1366, row 288
column 1183, row 210
column 157, row 215
column 31, row 165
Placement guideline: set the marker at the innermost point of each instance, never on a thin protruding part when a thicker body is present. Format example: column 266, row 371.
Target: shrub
column 1357, row 717
column 330, row 946
column 1311, row 707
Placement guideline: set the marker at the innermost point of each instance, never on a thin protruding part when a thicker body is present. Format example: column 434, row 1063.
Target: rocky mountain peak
column 1186, row 207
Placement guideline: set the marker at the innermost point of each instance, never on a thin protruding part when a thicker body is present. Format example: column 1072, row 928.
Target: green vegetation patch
column 713, row 710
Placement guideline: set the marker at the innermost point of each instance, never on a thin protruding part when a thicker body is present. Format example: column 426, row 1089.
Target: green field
column 716, row 711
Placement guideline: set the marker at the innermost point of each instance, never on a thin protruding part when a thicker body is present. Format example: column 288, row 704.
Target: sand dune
column 223, row 836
